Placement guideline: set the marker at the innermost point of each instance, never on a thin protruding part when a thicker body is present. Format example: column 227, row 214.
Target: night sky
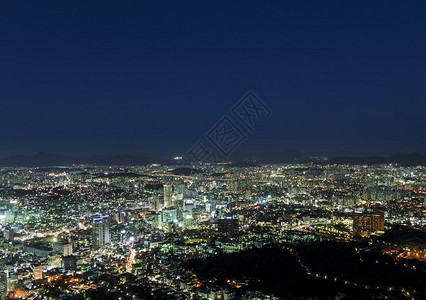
column 152, row 77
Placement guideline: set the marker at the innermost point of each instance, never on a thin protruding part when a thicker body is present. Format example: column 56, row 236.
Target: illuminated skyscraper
column 9, row 234
column 38, row 272
column 167, row 196
column 100, row 232
column 68, row 249
column 3, row 284
column 368, row 222
column 120, row 216
column 156, row 203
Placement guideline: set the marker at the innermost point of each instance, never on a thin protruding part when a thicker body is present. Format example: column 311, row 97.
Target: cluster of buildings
column 73, row 225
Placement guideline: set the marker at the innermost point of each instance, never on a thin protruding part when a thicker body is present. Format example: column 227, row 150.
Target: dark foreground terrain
column 323, row 269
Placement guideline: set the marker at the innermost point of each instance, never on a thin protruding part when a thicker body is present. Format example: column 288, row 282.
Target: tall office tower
column 167, row 196
column 211, row 207
column 179, row 191
column 169, row 215
column 120, row 216
column 68, row 249
column 38, row 272
column 12, row 284
column 3, row 284
column 9, row 234
column 368, row 222
column 100, row 232
column 156, row 203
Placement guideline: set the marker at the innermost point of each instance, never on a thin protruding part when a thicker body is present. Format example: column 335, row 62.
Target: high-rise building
column 12, row 284
column 169, row 215
column 100, row 232
column 120, row 216
column 168, row 190
column 210, row 207
column 179, row 191
column 3, row 284
column 38, row 272
column 156, row 203
column 68, row 249
column 368, row 222
column 9, row 234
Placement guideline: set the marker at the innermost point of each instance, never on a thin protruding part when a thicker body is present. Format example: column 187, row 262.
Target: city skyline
column 213, row 231
column 212, row 150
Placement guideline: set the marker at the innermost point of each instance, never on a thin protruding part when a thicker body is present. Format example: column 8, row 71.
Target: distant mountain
column 43, row 159
column 40, row 159
column 403, row 160
column 286, row 156
column 294, row 156
column 123, row 159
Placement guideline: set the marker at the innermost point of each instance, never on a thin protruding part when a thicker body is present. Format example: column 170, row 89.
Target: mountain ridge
column 44, row 159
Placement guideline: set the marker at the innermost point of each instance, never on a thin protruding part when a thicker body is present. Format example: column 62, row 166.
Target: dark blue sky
column 151, row 77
